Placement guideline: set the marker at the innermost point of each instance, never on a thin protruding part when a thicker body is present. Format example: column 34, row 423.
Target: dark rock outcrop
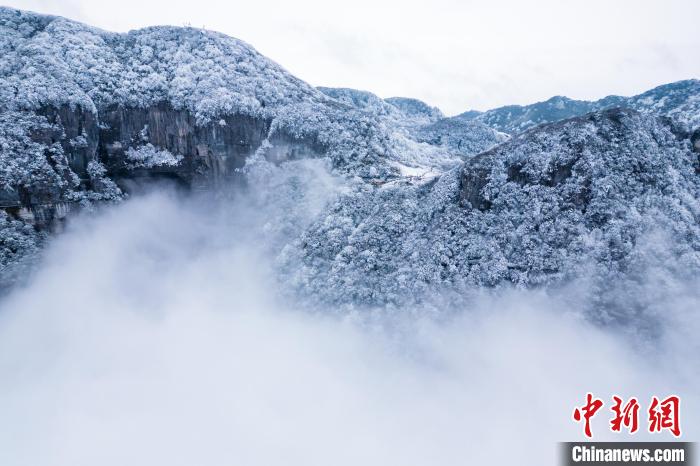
column 197, row 156
column 695, row 138
column 77, row 131
column 209, row 153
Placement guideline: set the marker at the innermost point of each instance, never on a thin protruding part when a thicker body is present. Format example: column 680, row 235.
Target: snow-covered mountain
column 594, row 199
column 460, row 136
column 423, row 123
column 680, row 100
column 414, row 206
column 416, row 109
column 209, row 98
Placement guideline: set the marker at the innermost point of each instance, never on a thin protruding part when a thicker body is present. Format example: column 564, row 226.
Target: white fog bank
column 152, row 336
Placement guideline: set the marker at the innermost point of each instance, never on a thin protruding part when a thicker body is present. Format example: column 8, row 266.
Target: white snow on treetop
column 53, row 60
column 149, row 156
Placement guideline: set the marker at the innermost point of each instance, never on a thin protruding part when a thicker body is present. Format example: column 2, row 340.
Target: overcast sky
column 455, row 54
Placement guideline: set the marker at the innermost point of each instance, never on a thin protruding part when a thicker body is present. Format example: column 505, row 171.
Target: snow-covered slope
column 423, row 123
column 363, row 100
column 596, row 199
column 416, row 110
column 402, row 112
column 460, row 136
column 680, row 100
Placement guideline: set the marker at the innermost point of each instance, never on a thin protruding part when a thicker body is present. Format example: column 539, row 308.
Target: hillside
column 607, row 202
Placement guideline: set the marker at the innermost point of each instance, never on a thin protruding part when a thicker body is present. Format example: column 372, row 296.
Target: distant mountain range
column 680, row 100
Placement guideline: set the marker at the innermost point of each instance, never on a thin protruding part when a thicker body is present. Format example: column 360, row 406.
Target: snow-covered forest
column 213, row 259
column 423, row 204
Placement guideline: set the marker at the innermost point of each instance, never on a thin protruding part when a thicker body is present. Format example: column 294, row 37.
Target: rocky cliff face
column 206, row 153
column 135, row 143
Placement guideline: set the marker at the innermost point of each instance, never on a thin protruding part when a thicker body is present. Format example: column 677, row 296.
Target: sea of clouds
column 153, row 333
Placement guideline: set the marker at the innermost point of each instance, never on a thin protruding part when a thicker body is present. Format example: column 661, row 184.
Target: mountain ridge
column 512, row 119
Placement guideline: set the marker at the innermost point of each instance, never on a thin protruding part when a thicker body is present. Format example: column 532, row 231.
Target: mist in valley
column 159, row 331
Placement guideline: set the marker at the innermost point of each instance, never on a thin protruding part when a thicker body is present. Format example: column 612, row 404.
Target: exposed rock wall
column 79, row 135
column 198, row 156
column 209, row 153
